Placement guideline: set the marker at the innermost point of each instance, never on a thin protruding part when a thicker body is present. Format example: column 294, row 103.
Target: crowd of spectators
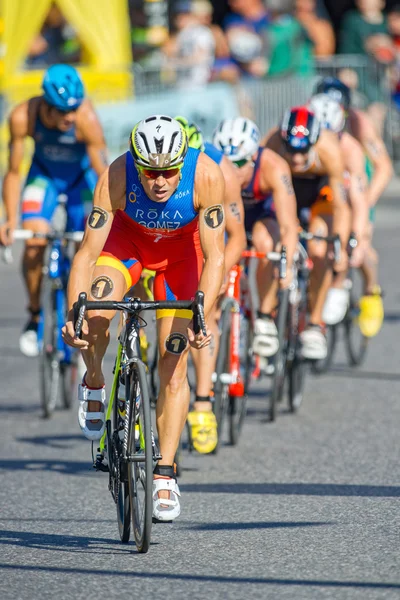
column 257, row 39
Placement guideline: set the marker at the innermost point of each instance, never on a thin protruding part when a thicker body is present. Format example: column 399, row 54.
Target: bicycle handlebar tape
column 199, row 321
column 79, row 314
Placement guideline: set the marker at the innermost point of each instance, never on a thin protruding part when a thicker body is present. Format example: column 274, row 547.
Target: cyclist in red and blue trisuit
column 156, row 207
column 69, row 155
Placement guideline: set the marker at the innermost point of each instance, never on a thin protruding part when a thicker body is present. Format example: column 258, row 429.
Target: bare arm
column 210, row 191
column 280, row 181
column 92, row 134
column 355, row 165
column 331, row 159
column 109, row 196
column 374, row 146
column 234, row 216
column 18, row 127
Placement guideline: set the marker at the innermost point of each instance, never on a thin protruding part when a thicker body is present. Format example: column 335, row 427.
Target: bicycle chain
column 115, row 470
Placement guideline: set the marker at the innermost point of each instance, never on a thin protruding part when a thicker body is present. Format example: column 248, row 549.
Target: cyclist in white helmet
column 159, row 207
column 270, row 214
column 331, row 115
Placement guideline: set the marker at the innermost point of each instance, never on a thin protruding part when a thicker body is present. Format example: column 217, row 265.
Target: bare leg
column 265, row 237
column 32, row 262
column 174, row 396
column 321, row 274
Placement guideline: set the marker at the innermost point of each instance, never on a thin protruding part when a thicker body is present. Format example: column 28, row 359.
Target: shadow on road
column 204, row 578
column 61, row 543
column 57, row 466
column 295, row 489
column 17, row 407
column 257, row 525
column 354, row 374
column 53, row 441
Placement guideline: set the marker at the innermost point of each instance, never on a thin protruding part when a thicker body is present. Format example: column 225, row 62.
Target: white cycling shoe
column 92, row 424
column 164, row 509
column 28, row 341
column 335, row 307
column 313, row 343
column 265, row 341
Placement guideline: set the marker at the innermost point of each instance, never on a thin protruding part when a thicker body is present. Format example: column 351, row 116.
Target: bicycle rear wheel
column 221, row 387
column 278, row 381
column 356, row 342
column 321, row 366
column 140, row 457
column 238, row 404
column 49, row 361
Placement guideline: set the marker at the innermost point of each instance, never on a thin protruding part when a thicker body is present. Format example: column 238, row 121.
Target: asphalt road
column 305, row 508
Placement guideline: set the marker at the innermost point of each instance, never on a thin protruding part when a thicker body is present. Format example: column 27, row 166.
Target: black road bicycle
column 130, row 447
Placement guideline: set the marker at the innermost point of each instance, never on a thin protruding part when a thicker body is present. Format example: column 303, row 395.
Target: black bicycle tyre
column 122, row 504
column 278, row 380
column 356, row 348
column 69, row 381
column 249, row 363
column 221, row 390
column 296, row 377
column 319, row 367
column 356, row 352
column 238, row 404
column 49, row 366
column 143, row 470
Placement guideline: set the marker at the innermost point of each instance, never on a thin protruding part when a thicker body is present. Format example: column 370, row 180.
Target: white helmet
column 329, row 112
column 158, row 142
column 237, row 138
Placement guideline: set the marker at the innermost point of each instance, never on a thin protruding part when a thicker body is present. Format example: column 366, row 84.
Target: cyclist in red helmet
column 315, row 160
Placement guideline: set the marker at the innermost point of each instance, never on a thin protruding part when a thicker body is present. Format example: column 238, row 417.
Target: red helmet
column 300, row 129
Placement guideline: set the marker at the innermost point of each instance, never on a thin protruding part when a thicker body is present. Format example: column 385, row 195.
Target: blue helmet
column 336, row 89
column 63, row 87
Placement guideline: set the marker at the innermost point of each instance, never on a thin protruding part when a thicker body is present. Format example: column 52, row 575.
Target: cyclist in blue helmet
column 69, row 155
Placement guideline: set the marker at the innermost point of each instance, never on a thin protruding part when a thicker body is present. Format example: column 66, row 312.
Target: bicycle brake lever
column 79, row 314
column 199, row 322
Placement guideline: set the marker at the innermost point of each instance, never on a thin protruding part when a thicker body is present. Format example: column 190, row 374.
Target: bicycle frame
column 236, row 387
column 57, row 269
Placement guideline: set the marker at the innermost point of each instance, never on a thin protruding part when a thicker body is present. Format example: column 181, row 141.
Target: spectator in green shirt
column 365, row 32
column 290, row 48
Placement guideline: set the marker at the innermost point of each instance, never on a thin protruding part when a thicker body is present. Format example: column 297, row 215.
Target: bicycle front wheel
column 140, row 457
column 221, row 387
column 49, row 361
column 280, row 357
column 356, row 342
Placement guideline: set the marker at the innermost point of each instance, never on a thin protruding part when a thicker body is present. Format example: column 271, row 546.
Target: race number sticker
column 102, row 287
column 176, row 343
column 214, row 216
column 97, row 218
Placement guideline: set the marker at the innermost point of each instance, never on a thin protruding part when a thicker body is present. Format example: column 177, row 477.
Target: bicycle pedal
column 157, row 457
column 99, row 465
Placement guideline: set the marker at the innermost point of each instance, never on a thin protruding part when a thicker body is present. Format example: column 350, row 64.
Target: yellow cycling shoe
column 203, row 431
column 371, row 313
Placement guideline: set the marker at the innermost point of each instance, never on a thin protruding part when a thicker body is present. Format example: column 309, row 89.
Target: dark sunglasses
column 155, row 173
